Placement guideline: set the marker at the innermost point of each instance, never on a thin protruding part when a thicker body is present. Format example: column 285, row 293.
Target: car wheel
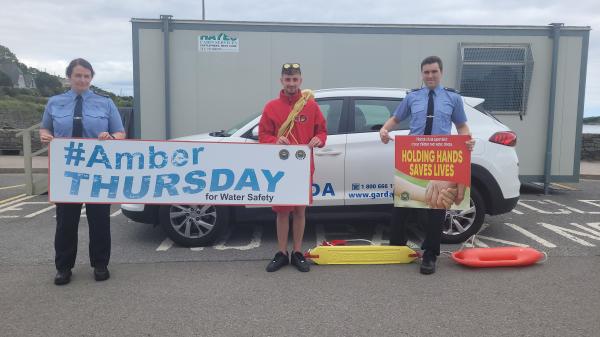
column 193, row 225
column 460, row 225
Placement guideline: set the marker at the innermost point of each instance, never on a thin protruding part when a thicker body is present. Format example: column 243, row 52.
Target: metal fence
column 499, row 73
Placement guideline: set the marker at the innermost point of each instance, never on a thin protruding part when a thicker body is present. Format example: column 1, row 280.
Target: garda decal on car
column 370, row 191
column 85, row 170
column 324, row 192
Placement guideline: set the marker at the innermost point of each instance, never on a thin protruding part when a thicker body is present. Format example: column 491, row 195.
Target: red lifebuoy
column 497, row 257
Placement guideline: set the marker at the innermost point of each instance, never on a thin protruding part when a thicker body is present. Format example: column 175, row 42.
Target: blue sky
column 47, row 33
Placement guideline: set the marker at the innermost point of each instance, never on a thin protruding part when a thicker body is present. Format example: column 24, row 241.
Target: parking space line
column 530, row 235
column 568, row 233
column 592, row 202
column 196, row 249
column 13, row 201
column 576, row 210
column 541, row 211
column 254, row 242
column 8, row 216
column 165, row 245
column 11, row 198
column 40, row 211
column 517, row 212
column 595, row 225
column 9, row 187
column 510, row 243
column 116, row 213
column 476, row 243
column 480, row 243
column 566, row 187
column 595, row 235
column 17, row 206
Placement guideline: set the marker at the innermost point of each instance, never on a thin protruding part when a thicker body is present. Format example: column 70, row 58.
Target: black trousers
column 432, row 220
column 65, row 240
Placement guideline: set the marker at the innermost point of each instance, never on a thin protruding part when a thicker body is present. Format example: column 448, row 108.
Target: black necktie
column 77, row 118
column 429, row 118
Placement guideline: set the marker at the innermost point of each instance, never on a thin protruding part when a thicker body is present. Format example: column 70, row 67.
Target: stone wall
column 10, row 124
column 10, row 144
column 590, row 147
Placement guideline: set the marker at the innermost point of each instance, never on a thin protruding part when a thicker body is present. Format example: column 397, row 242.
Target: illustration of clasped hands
column 437, row 194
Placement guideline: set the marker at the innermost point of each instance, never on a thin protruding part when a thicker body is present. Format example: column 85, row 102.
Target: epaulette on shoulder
column 413, row 90
column 452, row 90
column 99, row 94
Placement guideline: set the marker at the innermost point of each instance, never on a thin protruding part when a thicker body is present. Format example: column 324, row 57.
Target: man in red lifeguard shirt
column 293, row 118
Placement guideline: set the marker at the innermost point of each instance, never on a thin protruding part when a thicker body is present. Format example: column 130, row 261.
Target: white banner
column 161, row 172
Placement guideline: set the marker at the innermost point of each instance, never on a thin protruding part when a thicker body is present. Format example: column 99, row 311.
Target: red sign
column 434, row 158
column 432, row 172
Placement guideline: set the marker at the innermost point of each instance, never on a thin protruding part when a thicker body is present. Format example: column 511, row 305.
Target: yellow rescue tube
column 361, row 254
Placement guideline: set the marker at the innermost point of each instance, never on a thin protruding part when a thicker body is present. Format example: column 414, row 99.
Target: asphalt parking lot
column 159, row 288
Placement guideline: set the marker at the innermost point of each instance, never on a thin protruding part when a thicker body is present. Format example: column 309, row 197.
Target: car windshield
column 234, row 129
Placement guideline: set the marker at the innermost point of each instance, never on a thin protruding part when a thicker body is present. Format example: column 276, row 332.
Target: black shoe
column 299, row 261
column 101, row 273
column 278, row 261
column 62, row 277
column 428, row 263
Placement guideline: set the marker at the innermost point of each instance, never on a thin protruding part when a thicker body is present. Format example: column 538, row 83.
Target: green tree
column 47, row 84
column 5, row 80
column 6, row 56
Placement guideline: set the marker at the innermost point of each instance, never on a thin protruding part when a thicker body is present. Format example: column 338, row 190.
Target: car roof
column 378, row 92
column 362, row 92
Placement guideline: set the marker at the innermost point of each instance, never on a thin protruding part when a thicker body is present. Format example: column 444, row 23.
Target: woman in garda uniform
column 81, row 113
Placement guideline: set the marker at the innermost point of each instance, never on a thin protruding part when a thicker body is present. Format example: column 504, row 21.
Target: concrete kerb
column 15, row 164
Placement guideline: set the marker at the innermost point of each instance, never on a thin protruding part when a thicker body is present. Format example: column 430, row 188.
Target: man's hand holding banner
column 432, row 172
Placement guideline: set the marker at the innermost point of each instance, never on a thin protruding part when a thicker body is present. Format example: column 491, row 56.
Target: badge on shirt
column 300, row 119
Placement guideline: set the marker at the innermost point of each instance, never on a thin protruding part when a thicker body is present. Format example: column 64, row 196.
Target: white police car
column 354, row 171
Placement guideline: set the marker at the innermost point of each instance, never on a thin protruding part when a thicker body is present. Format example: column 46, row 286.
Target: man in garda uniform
column 432, row 110
column 293, row 118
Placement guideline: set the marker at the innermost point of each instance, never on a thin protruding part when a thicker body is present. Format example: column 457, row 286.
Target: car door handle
column 327, row 152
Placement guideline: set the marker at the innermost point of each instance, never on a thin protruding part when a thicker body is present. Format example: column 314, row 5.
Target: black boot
column 428, row 263
column 101, row 273
column 62, row 277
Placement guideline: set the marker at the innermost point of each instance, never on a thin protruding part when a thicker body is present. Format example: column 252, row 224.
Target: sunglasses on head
column 291, row 66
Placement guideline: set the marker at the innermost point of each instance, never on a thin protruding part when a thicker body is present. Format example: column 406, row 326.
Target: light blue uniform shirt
column 448, row 109
column 99, row 115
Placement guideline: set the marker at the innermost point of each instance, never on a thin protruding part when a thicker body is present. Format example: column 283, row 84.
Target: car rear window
column 480, row 108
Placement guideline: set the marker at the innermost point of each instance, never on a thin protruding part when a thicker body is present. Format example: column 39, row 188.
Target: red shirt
column 308, row 124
